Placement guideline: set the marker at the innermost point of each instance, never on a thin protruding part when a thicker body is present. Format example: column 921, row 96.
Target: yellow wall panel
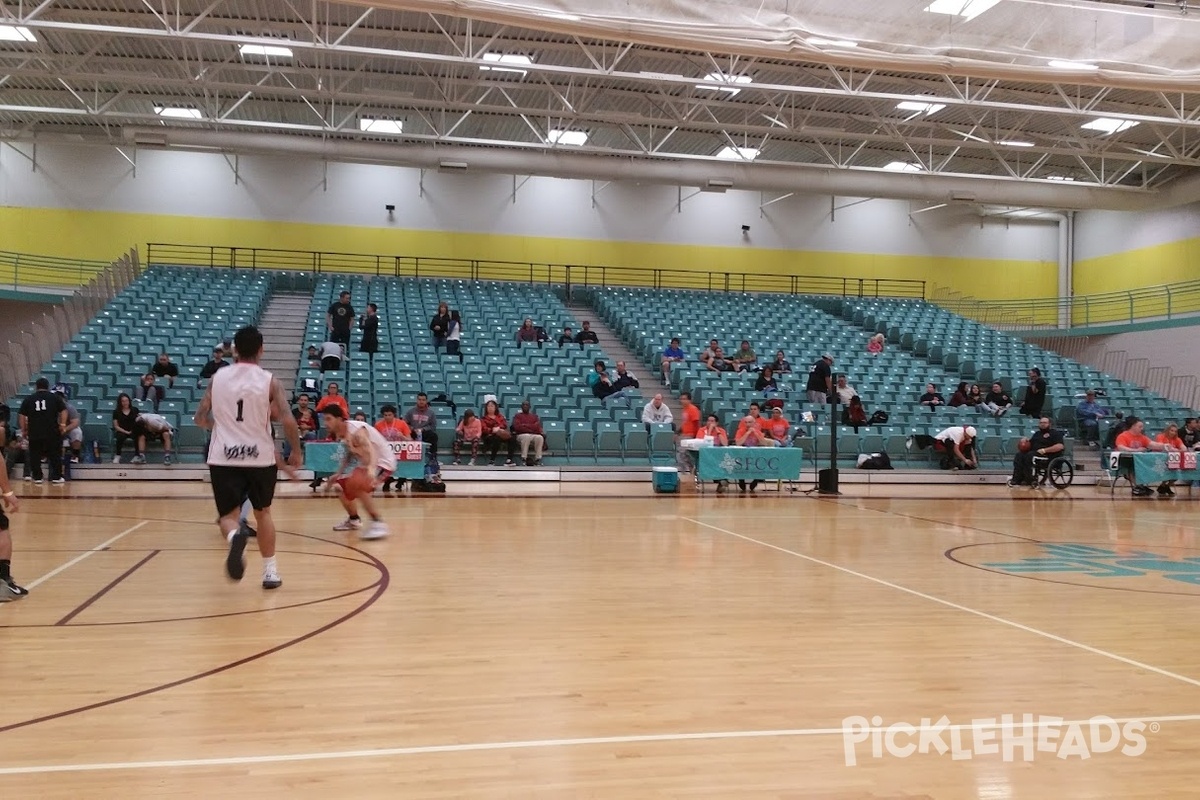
column 1136, row 269
column 103, row 234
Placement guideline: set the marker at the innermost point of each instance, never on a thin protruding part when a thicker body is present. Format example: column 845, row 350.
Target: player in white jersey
column 238, row 408
column 376, row 462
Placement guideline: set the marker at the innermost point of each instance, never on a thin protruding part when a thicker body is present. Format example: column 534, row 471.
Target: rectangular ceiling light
column 1107, row 125
column 967, row 9
column 506, row 58
column 265, row 50
column 1015, row 143
column 16, row 33
column 720, row 82
column 178, row 112
column 902, row 166
column 920, row 108
column 1057, row 64
column 571, row 138
column 738, row 153
column 817, row 41
column 1061, row 178
column 372, row 125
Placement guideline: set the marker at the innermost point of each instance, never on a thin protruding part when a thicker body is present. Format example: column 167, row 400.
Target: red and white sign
column 408, row 451
column 1189, row 459
column 1174, row 459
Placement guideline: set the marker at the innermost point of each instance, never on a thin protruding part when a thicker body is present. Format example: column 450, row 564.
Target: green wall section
column 104, row 234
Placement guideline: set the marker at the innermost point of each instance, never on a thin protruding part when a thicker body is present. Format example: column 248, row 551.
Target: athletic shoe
column 116, row 459
column 59, row 480
column 39, row 481
column 10, row 591
column 908, row 443
column 250, row 532
column 510, row 463
column 349, row 525
column 271, row 580
column 376, row 530
column 138, row 459
column 235, row 562
column 167, row 460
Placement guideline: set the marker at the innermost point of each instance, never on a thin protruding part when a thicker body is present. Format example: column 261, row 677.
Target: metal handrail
column 568, row 275
column 29, row 271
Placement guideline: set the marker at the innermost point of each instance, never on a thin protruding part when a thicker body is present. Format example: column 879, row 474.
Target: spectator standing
column 124, row 422
column 1044, row 443
column 689, row 428
column 497, row 434
column 454, row 336
column 73, row 430
column 332, row 353
column 439, row 326
column 1089, row 413
column 673, row 354
column 587, row 335
column 468, row 432
column 369, row 323
column 1035, row 394
column 819, row 389
column 338, row 317
column 997, row 403
column 528, row 429
column 42, row 417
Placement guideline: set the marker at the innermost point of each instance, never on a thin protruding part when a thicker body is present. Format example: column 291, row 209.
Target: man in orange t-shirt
column 1135, row 440
column 689, row 428
column 1170, row 440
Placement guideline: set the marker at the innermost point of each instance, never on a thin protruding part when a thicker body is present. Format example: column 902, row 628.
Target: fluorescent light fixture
column 1057, row 64
column 16, row 33
column 265, row 50
column 506, row 58
column 559, row 15
column 967, row 9
column 921, row 108
column 1061, row 178
column 372, row 125
column 1108, row 125
column 738, row 153
column 902, row 166
column 571, row 138
column 178, row 112
column 1014, row 143
column 817, row 41
column 716, row 79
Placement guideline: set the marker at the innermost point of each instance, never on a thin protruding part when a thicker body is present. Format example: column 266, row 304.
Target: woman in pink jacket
column 469, row 431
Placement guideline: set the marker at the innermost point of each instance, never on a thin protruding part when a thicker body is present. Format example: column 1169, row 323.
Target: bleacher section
column 180, row 311
column 579, row 430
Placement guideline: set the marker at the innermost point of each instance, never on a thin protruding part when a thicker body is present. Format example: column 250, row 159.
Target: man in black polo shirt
column 43, row 418
column 1045, row 442
column 819, row 389
column 338, row 319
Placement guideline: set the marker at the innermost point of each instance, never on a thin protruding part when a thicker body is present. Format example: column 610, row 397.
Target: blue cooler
column 666, row 480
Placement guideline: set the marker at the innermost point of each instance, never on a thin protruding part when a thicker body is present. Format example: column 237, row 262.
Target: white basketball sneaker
column 376, row 530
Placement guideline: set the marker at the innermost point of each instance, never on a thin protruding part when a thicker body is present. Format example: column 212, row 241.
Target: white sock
column 269, row 565
column 230, row 534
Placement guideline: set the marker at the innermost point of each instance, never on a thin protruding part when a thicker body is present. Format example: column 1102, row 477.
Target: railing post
column 17, row 271
column 1168, row 290
column 1130, row 305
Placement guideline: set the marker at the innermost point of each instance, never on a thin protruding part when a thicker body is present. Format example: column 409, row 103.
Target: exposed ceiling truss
column 105, row 68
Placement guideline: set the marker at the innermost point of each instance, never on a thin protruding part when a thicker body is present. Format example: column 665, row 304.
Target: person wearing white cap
column 956, row 443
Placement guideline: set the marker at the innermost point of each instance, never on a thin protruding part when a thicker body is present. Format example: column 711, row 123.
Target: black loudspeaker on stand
column 827, row 479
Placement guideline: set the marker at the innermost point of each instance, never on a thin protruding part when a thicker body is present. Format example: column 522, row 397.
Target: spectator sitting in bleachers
column 854, row 414
column 587, row 335
column 1134, row 440
column 844, row 390
column 212, row 365
column 1170, row 440
column 780, row 366
column 766, row 383
column 332, row 354
column 710, row 352
column 567, row 337
column 960, row 396
column 306, row 422
column 527, row 427
column 932, row 398
column 751, row 430
column 496, row 434
column 1045, row 442
column 1191, row 440
column 673, row 354
column 778, row 428
column 162, row 368
column 997, row 403
column 956, row 444
column 124, row 424
column 1035, row 394
column 153, row 427
column 1088, row 414
column 468, row 432
column 314, row 357
column 422, row 421
column 718, row 362
column 875, row 344
column 393, row 429
column 657, row 413
column 745, row 358
column 713, row 432
column 621, row 382
column 360, row 416
column 334, row 397
column 439, row 325
column 599, row 381
column 527, row 333
column 974, row 397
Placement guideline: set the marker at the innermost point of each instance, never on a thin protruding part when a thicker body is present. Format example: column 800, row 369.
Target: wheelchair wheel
column 1060, row 472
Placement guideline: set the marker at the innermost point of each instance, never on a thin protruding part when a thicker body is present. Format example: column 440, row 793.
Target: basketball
column 1024, row 445
column 356, row 484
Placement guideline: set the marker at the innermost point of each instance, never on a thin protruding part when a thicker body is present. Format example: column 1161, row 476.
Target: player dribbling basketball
column 376, row 462
column 238, row 407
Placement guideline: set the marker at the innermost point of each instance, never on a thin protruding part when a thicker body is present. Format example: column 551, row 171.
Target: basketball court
column 632, row 646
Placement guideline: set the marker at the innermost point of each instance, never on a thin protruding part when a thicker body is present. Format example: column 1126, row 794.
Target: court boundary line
column 533, row 744
column 957, row 606
column 86, row 604
column 84, row 555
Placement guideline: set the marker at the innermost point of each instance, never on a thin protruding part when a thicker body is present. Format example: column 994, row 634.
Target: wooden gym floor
column 638, row 647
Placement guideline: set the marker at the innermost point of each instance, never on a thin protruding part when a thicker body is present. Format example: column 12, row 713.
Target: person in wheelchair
column 1044, row 444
